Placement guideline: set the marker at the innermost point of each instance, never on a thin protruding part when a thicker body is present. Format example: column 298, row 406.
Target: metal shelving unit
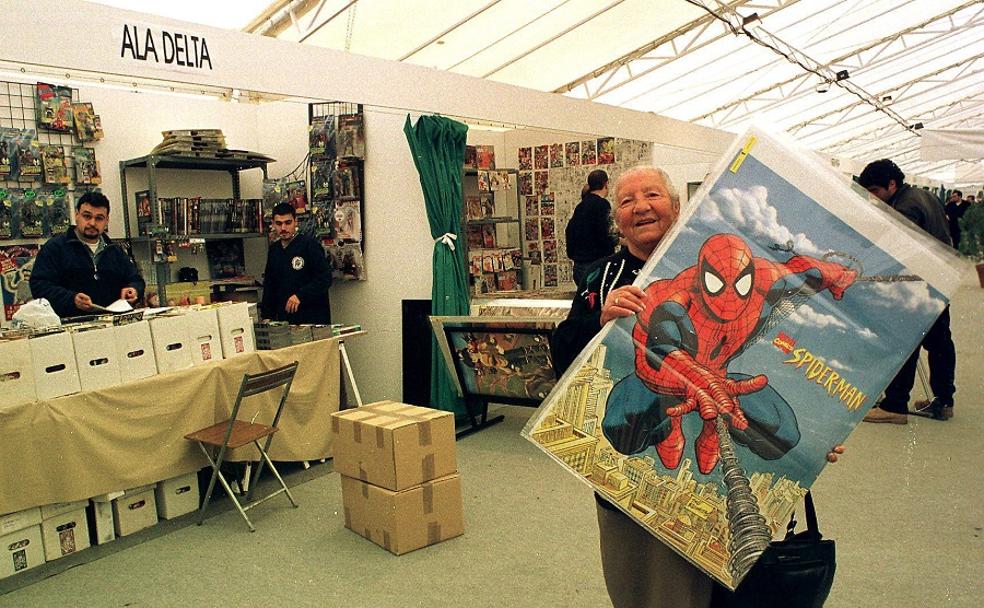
column 502, row 221
column 155, row 162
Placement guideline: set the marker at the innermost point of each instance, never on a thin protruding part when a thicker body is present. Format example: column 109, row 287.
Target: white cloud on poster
column 806, row 315
column 749, row 212
column 840, row 366
column 906, row 296
column 867, row 334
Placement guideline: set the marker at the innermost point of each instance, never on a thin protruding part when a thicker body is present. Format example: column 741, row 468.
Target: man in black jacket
column 589, row 236
column 884, row 179
column 297, row 275
column 83, row 267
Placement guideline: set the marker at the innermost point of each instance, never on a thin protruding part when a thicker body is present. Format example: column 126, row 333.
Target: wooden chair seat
column 243, row 433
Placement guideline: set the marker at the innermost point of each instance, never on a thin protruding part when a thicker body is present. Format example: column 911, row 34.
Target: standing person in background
column 955, row 208
column 884, row 179
column 297, row 274
column 589, row 236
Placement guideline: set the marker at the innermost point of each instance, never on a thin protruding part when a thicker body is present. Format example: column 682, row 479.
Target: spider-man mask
column 726, row 275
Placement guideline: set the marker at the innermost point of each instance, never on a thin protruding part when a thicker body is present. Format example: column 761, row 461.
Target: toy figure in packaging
column 8, row 152
column 56, row 203
column 322, row 137
column 28, row 155
column 31, row 214
column 321, row 180
column 6, row 214
column 86, row 166
column 297, row 195
column 351, row 141
column 86, row 128
column 55, row 172
column 16, row 263
column 54, row 107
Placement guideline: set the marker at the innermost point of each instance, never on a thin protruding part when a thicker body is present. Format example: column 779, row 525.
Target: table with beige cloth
column 91, row 443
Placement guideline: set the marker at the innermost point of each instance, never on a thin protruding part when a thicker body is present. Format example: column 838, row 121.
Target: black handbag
column 796, row 572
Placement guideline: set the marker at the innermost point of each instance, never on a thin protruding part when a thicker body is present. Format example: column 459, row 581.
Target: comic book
column 541, row 182
column 86, row 126
column 350, row 137
column 53, row 106
column 485, row 157
column 86, row 166
column 471, row 157
column 55, row 203
column 53, row 160
column 28, row 155
column 6, row 214
column 541, row 157
column 484, row 181
column 525, row 183
column 573, row 153
column 606, row 150
column 16, row 262
column 525, row 159
column 142, row 204
column 589, row 152
column 556, row 155
column 32, row 214
column 778, row 308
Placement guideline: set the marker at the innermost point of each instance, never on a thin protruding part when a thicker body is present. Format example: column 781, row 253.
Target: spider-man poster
column 778, row 308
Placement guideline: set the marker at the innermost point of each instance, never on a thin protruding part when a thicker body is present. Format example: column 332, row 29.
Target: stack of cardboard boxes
column 399, row 472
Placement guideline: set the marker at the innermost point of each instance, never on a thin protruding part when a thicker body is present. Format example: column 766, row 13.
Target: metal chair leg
column 276, row 473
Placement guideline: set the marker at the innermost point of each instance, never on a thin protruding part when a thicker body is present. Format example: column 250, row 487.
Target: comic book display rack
column 492, row 228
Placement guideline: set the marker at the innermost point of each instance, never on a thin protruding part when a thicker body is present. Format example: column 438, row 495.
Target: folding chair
column 233, row 433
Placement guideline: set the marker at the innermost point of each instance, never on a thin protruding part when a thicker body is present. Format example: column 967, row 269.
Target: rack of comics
column 44, row 162
column 337, row 152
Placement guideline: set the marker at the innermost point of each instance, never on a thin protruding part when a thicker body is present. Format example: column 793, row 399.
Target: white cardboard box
column 57, row 508
column 97, row 358
column 203, row 335
column 171, row 347
column 135, row 511
column 136, row 351
column 177, row 496
column 20, row 520
column 65, row 534
column 20, row 550
column 236, row 329
column 16, row 373
column 103, row 528
column 55, row 372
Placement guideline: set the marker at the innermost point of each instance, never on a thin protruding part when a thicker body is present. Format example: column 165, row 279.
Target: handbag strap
column 812, row 528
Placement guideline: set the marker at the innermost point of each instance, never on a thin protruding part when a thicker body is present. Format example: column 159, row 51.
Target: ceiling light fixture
column 842, row 75
column 751, row 21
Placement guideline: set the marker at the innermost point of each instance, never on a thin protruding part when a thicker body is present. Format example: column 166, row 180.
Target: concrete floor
column 904, row 506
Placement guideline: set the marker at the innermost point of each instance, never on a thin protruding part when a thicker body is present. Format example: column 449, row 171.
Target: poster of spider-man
column 777, row 309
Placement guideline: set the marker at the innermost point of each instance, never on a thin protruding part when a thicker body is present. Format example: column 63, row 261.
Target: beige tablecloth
column 83, row 445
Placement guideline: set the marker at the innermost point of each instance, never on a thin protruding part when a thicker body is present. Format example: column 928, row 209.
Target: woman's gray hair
column 670, row 188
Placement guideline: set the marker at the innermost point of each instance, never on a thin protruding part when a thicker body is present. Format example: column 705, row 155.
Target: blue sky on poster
column 865, row 337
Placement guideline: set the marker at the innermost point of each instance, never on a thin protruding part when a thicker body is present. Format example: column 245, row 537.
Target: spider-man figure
column 692, row 327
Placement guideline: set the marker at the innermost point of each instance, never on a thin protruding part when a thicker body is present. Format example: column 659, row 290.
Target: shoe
column 935, row 408
column 879, row 415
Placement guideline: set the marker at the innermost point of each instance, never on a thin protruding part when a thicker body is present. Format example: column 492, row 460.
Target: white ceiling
column 908, row 61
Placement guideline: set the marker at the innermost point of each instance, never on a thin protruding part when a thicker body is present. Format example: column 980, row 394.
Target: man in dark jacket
column 297, row 275
column 955, row 208
column 589, row 236
column 83, row 267
column 884, row 179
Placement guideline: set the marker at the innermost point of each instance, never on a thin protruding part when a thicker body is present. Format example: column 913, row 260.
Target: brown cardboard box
column 403, row 521
column 394, row 445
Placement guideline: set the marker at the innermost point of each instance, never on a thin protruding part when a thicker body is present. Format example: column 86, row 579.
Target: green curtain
column 438, row 147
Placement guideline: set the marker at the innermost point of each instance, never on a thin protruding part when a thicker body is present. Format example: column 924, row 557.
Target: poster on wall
column 778, row 308
column 573, row 153
column 589, row 152
column 525, row 159
column 541, row 157
column 606, row 150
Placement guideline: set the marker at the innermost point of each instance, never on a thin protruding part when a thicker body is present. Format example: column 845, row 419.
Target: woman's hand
column 622, row 302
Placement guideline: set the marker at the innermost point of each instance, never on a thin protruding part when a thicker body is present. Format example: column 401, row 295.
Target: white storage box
column 203, row 335
column 136, row 351
column 57, row 508
column 16, row 373
column 55, row 372
column 135, row 511
column 103, row 529
column 20, row 520
column 236, row 329
column 20, row 550
column 171, row 347
column 97, row 358
column 177, row 496
column 65, row 534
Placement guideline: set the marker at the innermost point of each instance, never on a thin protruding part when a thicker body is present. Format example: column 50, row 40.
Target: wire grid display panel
column 347, row 256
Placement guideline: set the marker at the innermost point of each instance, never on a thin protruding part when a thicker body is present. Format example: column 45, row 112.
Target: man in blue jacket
column 83, row 268
column 297, row 275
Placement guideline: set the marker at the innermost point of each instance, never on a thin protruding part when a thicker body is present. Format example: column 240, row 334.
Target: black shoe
column 936, row 409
